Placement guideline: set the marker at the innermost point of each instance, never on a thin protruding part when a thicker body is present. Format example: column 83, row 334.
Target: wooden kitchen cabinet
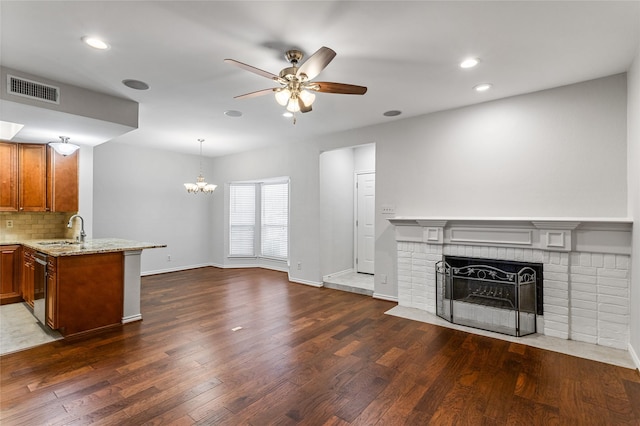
column 62, row 181
column 10, row 260
column 8, row 177
column 28, row 274
column 35, row 178
column 52, row 293
column 88, row 293
column 32, row 177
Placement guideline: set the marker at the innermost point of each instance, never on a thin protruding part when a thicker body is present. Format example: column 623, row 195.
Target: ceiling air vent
column 32, row 89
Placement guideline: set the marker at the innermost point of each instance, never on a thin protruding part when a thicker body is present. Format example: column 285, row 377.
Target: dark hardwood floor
column 303, row 356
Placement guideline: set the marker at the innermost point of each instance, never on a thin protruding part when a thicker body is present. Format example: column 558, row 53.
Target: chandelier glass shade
column 64, row 147
column 201, row 186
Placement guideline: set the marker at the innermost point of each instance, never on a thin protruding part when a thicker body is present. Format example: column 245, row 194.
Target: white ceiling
column 406, row 53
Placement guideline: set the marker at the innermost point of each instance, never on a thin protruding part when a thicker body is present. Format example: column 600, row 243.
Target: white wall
column 565, row 148
column 364, row 158
column 85, row 188
column 633, row 129
column 556, row 153
column 139, row 195
column 300, row 162
column 336, row 210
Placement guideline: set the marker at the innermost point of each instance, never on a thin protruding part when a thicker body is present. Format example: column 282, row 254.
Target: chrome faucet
column 70, row 224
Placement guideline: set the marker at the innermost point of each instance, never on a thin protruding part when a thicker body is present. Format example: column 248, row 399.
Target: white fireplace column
column 585, row 267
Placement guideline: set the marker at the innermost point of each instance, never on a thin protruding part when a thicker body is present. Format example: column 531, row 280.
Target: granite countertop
column 62, row 247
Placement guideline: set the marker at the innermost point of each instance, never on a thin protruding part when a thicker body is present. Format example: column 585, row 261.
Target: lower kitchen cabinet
column 52, row 294
column 10, row 261
column 28, row 275
column 85, row 293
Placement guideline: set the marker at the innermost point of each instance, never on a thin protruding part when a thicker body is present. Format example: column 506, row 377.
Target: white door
column 365, row 221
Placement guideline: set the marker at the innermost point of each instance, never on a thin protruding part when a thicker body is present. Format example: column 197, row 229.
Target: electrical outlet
column 299, row 266
column 9, row 224
column 168, row 258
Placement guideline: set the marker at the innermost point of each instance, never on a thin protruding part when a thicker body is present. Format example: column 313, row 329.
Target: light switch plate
column 388, row 209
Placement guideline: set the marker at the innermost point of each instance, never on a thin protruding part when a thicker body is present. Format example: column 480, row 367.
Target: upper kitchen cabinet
column 8, row 177
column 35, row 178
column 32, row 177
column 62, row 181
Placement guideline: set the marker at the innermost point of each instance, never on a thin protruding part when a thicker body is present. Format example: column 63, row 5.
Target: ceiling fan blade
column 317, row 62
column 345, row 89
column 252, row 69
column 255, row 94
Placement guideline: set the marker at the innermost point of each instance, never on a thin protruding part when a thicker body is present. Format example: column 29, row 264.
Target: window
column 259, row 219
column 242, row 219
column 275, row 220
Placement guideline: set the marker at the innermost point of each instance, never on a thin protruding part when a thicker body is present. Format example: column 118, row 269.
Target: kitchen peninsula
column 90, row 286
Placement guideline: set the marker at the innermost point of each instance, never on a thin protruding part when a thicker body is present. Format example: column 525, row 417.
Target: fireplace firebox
column 493, row 295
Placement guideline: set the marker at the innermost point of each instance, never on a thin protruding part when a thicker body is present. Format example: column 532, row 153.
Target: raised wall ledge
column 600, row 235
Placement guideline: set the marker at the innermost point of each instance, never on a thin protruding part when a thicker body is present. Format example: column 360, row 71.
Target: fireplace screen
column 487, row 297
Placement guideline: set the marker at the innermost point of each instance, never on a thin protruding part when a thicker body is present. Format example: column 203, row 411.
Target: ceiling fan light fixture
column 307, row 97
column 283, row 96
column 293, row 105
column 296, row 91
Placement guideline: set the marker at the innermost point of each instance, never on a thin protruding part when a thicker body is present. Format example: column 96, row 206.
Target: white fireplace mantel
column 586, row 267
column 603, row 235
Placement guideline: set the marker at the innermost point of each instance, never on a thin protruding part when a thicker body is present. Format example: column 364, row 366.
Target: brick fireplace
column 586, row 267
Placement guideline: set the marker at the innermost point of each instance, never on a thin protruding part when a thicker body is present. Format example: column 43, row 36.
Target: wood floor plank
column 303, row 356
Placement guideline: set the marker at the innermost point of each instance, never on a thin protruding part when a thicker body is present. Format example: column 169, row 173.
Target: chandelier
column 200, row 185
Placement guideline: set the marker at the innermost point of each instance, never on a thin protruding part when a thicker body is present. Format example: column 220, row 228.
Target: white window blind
column 242, row 219
column 275, row 220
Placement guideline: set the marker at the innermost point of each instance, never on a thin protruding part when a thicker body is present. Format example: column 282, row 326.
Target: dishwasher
column 40, row 288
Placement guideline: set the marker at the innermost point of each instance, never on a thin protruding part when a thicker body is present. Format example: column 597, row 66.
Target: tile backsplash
column 36, row 225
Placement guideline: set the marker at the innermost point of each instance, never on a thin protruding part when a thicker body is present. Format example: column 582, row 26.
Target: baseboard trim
column 305, row 282
column 131, row 318
column 273, row 268
column 634, row 357
column 176, row 269
column 385, row 297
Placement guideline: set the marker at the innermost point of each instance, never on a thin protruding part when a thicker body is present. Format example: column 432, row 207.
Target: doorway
column 342, row 199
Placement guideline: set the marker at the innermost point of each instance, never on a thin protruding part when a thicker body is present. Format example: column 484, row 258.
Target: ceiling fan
column 296, row 88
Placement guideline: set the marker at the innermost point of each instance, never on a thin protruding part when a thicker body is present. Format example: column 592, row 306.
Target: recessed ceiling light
column 94, row 42
column 233, row 113
column 392, row 113
column 135, row 84
column 469, row 63
column 483, row 87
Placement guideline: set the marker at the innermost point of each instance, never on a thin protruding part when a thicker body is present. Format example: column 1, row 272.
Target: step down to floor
column 348, row 288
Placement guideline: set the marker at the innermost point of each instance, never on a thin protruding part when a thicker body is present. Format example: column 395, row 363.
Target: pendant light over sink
column 200, row 185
